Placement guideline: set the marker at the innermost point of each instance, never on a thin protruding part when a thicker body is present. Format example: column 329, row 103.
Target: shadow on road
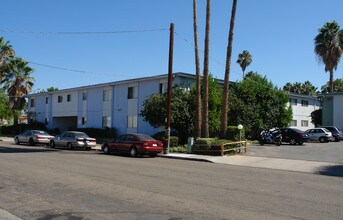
column 9, row 150
column 332, row 171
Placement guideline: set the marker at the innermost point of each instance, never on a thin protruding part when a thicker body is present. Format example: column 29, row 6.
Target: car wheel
column 261, row 142
column 16, row 140
column 300, row 143
column 52, row 144
column 292, row 141
column 31, row 142
column 336, row 139
column 152, row 155
column 133, row 152
column 69, row 146
column 106, row 150
column 321, row 139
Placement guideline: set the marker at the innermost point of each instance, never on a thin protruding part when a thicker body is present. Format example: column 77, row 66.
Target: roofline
column 182, row 74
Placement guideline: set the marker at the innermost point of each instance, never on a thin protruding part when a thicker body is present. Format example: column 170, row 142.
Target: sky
column 130, row 38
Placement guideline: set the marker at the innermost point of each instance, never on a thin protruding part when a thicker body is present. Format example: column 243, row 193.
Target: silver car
column 73, row 139
column 33, row 137
column 319, row 134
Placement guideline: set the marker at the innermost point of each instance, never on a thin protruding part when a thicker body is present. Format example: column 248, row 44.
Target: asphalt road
column 41, row 183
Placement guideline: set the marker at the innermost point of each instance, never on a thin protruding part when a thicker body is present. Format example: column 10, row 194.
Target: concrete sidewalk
column 259, row 162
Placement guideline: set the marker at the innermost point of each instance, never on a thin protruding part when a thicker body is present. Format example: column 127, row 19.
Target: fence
column 243, row 147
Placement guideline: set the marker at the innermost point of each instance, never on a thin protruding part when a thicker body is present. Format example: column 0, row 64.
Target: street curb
column 5, row 215
column 185, row 158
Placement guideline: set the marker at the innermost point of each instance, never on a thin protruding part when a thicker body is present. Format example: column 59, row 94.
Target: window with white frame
column 293, row 101
column 33, row 103
column 84, row 96
column 132, row 121
column 68, row 98
column 106, row 121
column 132, row 92
column 163, row 88
column 304, row 103
column 294, row 123
column 60, row 99
column 107, row 95
column 304, row 123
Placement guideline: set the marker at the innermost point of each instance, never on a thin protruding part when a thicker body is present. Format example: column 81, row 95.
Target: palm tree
column 6, row 52
column 18, row 83
column 197, row 73
column 244, row 60
column 225, row 101
column 328, row 47
column 205, row 126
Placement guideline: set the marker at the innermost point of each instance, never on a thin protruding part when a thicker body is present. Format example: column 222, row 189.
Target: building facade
column 303, row 106
column 115, row 104
column 332, row 110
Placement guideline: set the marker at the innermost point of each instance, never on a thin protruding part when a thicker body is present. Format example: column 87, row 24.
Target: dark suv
column 293, row 136
column 336, row 133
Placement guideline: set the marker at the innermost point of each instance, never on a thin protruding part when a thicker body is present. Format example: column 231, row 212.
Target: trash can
column 190, row 144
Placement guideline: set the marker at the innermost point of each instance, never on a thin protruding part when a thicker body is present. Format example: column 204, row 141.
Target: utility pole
column 170, row 78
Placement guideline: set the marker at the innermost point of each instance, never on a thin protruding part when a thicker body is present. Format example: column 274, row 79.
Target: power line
column 82, row 32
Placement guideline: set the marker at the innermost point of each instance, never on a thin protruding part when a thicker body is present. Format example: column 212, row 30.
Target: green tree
column 17, row 82
column 6, row 52
column 244, row 60
column 305, row 88
column 225, row 97
column 258, row 104
column 337, row 85
column 5, row 112
column 316, row 117
column 328, row 48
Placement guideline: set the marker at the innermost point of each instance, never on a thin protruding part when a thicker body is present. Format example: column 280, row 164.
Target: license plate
column 154, row 145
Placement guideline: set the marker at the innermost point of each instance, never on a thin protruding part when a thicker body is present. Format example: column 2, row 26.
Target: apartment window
column 163, row 88
column 132, row 92
column 46, row 121
column 60, row 99
column 304, row 123
column 68, row 98
column 304, row 103
column 83, row 121
column 33, row 103
column 46, row 100
column 293, row 101
column 106, row 121
column 132, row 121
column 84, row 96
column 107, row 95
column 294, row 123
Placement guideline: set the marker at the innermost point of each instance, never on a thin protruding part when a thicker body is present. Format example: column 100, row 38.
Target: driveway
column 311, row 151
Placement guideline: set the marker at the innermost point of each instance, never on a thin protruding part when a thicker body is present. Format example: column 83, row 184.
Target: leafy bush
column 233, row 133
column 179, row 149
column 34, row 125
column 174, row 140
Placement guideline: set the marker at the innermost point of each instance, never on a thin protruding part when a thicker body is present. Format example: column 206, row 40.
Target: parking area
column 311, row 151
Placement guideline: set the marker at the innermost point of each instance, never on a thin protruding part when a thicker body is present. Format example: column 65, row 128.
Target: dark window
column 33, row 103
column 60, row 99
column 46, row 100
column 68, row 98
column 304, row 103
column 83, row 120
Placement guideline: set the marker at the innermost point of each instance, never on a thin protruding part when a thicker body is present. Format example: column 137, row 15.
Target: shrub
column 233, row 133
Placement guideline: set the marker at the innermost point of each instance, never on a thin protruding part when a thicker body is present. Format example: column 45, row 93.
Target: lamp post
column 240, row 127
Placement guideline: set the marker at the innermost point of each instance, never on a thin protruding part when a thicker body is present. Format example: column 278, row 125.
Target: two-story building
column 332, row 114
column 113, row 104
column 303, row 106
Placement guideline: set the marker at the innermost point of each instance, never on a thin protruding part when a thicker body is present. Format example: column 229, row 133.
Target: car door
column 59, row 139
column 25, row 136
column 119, row 143
column 310, row 134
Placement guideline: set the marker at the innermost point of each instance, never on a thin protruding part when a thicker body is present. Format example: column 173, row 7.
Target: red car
column 134, row 144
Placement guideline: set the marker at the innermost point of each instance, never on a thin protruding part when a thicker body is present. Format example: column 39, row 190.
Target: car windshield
column 80, row 135
column 144, row 137
column 326, row 130
column 40, row 132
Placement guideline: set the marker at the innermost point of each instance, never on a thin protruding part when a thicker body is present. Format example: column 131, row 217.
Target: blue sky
column 278, row 33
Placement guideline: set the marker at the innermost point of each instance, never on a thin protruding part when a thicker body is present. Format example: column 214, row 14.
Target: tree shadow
column 9, row 150
column 332, row 171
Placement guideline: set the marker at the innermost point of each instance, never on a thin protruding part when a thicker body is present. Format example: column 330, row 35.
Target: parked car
column 73, row 139
column 319, row 134
column 134, row 144
column 33, row 137
column 336, row 132
column 293, row 136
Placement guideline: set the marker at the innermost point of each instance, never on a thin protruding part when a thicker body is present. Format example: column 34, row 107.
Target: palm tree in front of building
column 328, row 48
column 17, row 82
column 244, row 60
column 6, row 52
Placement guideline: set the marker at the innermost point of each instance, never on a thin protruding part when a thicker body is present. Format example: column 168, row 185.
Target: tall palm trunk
column 331, row 81
column 197, row 73
column 205, row 127
column 225, row 104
